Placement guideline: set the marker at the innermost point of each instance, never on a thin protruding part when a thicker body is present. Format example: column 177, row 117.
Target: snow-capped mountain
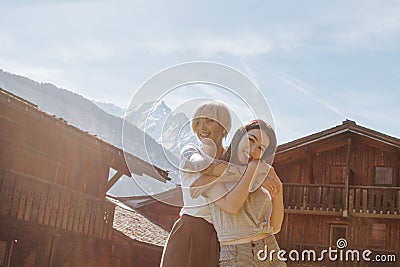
column 170, row 129
column 148, row 117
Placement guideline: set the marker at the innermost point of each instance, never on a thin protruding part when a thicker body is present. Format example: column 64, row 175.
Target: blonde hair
column 214, row 110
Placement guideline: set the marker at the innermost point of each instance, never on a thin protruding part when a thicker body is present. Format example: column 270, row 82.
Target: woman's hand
column 272, row 183
column 200, row 185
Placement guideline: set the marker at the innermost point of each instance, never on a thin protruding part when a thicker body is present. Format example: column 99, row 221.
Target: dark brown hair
column 242, row 131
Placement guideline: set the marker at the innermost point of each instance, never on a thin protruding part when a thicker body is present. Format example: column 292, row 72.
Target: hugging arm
column 213, row 167
column 231, row 201
column 225, row 172
column 194, row 161
column 274, row 185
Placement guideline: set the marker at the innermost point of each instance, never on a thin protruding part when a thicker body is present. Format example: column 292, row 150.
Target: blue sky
column 317, row 62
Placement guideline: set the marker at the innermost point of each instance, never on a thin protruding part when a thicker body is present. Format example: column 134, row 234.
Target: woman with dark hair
column 248, row 213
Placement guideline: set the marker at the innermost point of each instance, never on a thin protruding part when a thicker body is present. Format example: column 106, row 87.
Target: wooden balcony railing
column 313, row 197
column 331, row 198
column 374, row 200
column 30, row 199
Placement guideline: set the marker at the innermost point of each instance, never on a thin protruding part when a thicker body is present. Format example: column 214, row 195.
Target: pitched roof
column 346, row 126
column 137, row 227
column 173, row 196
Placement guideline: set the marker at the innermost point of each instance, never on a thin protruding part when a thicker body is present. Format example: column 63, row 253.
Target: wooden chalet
column 341, row 183
column 53, row 183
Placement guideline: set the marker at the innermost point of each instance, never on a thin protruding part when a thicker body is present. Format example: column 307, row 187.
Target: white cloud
column 239, row 45
column 374, row 26
column 306, row 90
column 208, row 44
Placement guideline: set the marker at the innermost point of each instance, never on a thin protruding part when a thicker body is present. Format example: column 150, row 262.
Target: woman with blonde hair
column 193, row 240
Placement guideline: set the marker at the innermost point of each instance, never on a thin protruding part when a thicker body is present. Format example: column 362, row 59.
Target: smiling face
column 252, row 146
column 206, row 128
column 254, row 140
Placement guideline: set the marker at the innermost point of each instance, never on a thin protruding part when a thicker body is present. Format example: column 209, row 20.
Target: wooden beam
column 141, row 167
column 346, row 183
column 313, row 212
column 311, row 158
column 376, row 215
column 113, row 180
column 397, row 171
column 9, row 254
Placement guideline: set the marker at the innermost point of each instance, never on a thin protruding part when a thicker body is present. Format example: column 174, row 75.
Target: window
column 378, row 236
column 383, row 175
column 337, row 231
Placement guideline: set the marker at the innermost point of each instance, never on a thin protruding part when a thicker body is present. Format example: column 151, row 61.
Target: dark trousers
column 192, row 243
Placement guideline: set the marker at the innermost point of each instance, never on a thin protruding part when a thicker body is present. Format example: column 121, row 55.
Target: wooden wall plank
column 54, row 207
column 357, row 201
column 76, row 205
column 93, row 218
column 22, row 201
column 29, row 202
column 66, row 211
column 49, row 205
column 7, row 192
column 98, row 230
column 35, row 203
column 398, row 203
column 87, row 218
column 351, row 200
column 81, row 218
column 61, row 208
column 43, row 204
column 364, row 200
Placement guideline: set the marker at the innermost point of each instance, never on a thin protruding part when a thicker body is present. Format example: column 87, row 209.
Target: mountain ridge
column 82, row 113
